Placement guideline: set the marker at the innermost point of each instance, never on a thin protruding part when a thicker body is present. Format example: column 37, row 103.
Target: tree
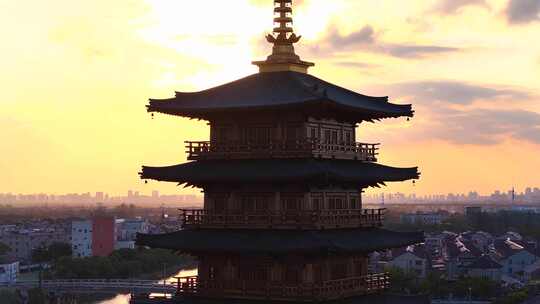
column 58, row 250
column 4, row 249
column 52, row 253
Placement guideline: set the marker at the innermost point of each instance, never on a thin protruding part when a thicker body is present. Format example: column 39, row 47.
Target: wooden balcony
column 317, row 219
column 199, row 150
column 278, row 290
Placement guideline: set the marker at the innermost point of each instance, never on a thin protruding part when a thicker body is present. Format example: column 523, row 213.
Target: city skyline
column 156, row 196
column 475, row 94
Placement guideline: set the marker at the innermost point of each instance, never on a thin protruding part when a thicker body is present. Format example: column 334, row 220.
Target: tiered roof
column 280, row 91
column 265, row 241
column 309, row 170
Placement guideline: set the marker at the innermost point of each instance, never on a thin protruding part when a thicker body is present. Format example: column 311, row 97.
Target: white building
column 81, row 238
column 127, row 229
column 514, row 257
column 126, row 232
column 435, row 218
column 412, row 259
column 9, row 272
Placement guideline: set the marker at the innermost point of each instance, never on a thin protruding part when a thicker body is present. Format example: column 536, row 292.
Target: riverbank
column 138, row 263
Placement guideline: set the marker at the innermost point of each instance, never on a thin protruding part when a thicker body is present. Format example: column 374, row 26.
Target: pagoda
column 283, row 177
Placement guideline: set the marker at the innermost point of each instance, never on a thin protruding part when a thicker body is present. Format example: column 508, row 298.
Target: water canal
column 124, row 299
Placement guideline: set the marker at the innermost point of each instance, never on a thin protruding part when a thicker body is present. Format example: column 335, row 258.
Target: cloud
column 365, row 35
column 523, row 11
column 485, row 126
column 415, row 51
column 455, row 92
column 356, row 65
column 366, row 39
column 449, row 111
column 450, row 7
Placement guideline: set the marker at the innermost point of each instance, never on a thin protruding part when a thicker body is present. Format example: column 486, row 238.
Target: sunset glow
column 78, row 74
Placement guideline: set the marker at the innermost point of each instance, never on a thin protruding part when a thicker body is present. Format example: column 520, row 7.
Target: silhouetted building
column 282, row 176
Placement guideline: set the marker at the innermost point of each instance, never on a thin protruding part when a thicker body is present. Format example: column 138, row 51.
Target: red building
column 103, row 235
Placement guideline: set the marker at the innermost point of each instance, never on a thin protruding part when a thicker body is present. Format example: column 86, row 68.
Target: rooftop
column 277, row 91
column 319, row 171
column 263, row 241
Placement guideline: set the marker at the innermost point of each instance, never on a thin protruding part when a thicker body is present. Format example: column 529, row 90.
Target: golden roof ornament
column 283, row 57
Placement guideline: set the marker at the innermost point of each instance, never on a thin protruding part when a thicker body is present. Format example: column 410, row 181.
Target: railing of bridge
column 96, row 284
column 328, row 290
column 197, row 150
column 316, row 219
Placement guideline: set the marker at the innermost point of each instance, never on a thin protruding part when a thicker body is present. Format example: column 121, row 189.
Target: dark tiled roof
column 280, row 242
column 284, row 170
column 484, row 262
column 277, row 90
column 417, row 250
column 507, row 248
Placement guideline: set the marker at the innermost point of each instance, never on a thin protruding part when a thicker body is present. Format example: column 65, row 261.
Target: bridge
column 97, row 286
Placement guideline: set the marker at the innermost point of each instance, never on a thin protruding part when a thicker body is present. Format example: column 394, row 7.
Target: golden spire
column 283, row 57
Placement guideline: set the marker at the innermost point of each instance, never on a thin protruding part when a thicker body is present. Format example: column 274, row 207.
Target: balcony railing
column 277, row 290
column 316, row 219
column 197, row 150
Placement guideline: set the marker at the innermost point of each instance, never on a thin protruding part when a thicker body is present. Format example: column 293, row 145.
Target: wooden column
column 231, row 201
column 308, row 275
column 277, row 201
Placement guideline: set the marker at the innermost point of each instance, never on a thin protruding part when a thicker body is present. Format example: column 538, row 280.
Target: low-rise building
column 431, row 218
column 9, row 272
column 81, row 238
column 485, row 267
column 514, row 256
column 411, row 259
column 23, row 242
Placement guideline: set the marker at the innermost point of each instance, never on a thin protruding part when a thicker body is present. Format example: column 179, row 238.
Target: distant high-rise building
column 100, row 196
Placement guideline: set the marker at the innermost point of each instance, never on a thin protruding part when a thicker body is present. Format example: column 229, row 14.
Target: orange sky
column 77, row 75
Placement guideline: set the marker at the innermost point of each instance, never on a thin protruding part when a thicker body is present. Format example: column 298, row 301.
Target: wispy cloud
column 450, row 7
column 368, row 40
column 456, row 92
column 451, row 111
column 523, row 11
column 484, row 126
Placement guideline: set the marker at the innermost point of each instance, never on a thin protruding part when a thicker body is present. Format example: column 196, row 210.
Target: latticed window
column 359, row 268
column 292, row 202
column 255, row 202
column 317, row 202
column 292, row 274
column 254, row 272
column 353, row 202
column 338, row 271
column 348, row 138
column 336, row 202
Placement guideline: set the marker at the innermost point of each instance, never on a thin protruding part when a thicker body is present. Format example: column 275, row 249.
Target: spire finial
column 283, row 32
column 283, row 57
